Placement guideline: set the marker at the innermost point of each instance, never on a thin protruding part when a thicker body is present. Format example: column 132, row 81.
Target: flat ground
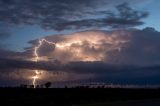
column 80, row 97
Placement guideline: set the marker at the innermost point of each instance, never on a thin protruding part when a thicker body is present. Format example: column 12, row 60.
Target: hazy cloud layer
column 79, row 71
column 70, row 14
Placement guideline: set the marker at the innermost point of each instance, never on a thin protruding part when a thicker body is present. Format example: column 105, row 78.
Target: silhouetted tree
column 103, row 86
column 38, row 86
column 48, row 84
column 31, row 86
column 23, row 86
column 41, row 86
column 66, row 86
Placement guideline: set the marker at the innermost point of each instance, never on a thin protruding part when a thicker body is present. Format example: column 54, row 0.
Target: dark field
column 80, row 97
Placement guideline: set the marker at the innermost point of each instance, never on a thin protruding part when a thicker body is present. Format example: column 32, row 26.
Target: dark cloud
column 120, row 74
column 96, row 67
column 9, row 54
column 126, row 17
column 143, row 48
column 69, row 14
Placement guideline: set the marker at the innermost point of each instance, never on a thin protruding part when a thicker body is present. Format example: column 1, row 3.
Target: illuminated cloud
column 129, row 47
column 125, row 56
column 82, row 46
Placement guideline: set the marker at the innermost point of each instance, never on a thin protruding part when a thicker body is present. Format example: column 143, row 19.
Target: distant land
column 80, row 96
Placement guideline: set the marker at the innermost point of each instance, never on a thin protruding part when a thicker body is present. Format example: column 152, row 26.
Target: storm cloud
column 70, row 14
column 80, row 71
column 105, row 45
column 130, row 56
column 132, row 46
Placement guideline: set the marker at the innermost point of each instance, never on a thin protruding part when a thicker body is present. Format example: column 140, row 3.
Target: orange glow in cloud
column 84, row 46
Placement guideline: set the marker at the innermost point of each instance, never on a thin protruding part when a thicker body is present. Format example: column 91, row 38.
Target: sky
column 65, row 41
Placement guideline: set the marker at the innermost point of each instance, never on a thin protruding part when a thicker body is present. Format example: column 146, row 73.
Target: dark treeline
column 46, row 85
column 83, row 84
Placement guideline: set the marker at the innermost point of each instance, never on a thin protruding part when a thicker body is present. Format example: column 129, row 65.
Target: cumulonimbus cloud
column 81, row 46
column 123, row 54
column 130, row 46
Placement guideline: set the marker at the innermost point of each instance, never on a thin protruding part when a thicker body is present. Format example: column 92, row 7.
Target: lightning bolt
column 38, row 72
column 96, row 42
